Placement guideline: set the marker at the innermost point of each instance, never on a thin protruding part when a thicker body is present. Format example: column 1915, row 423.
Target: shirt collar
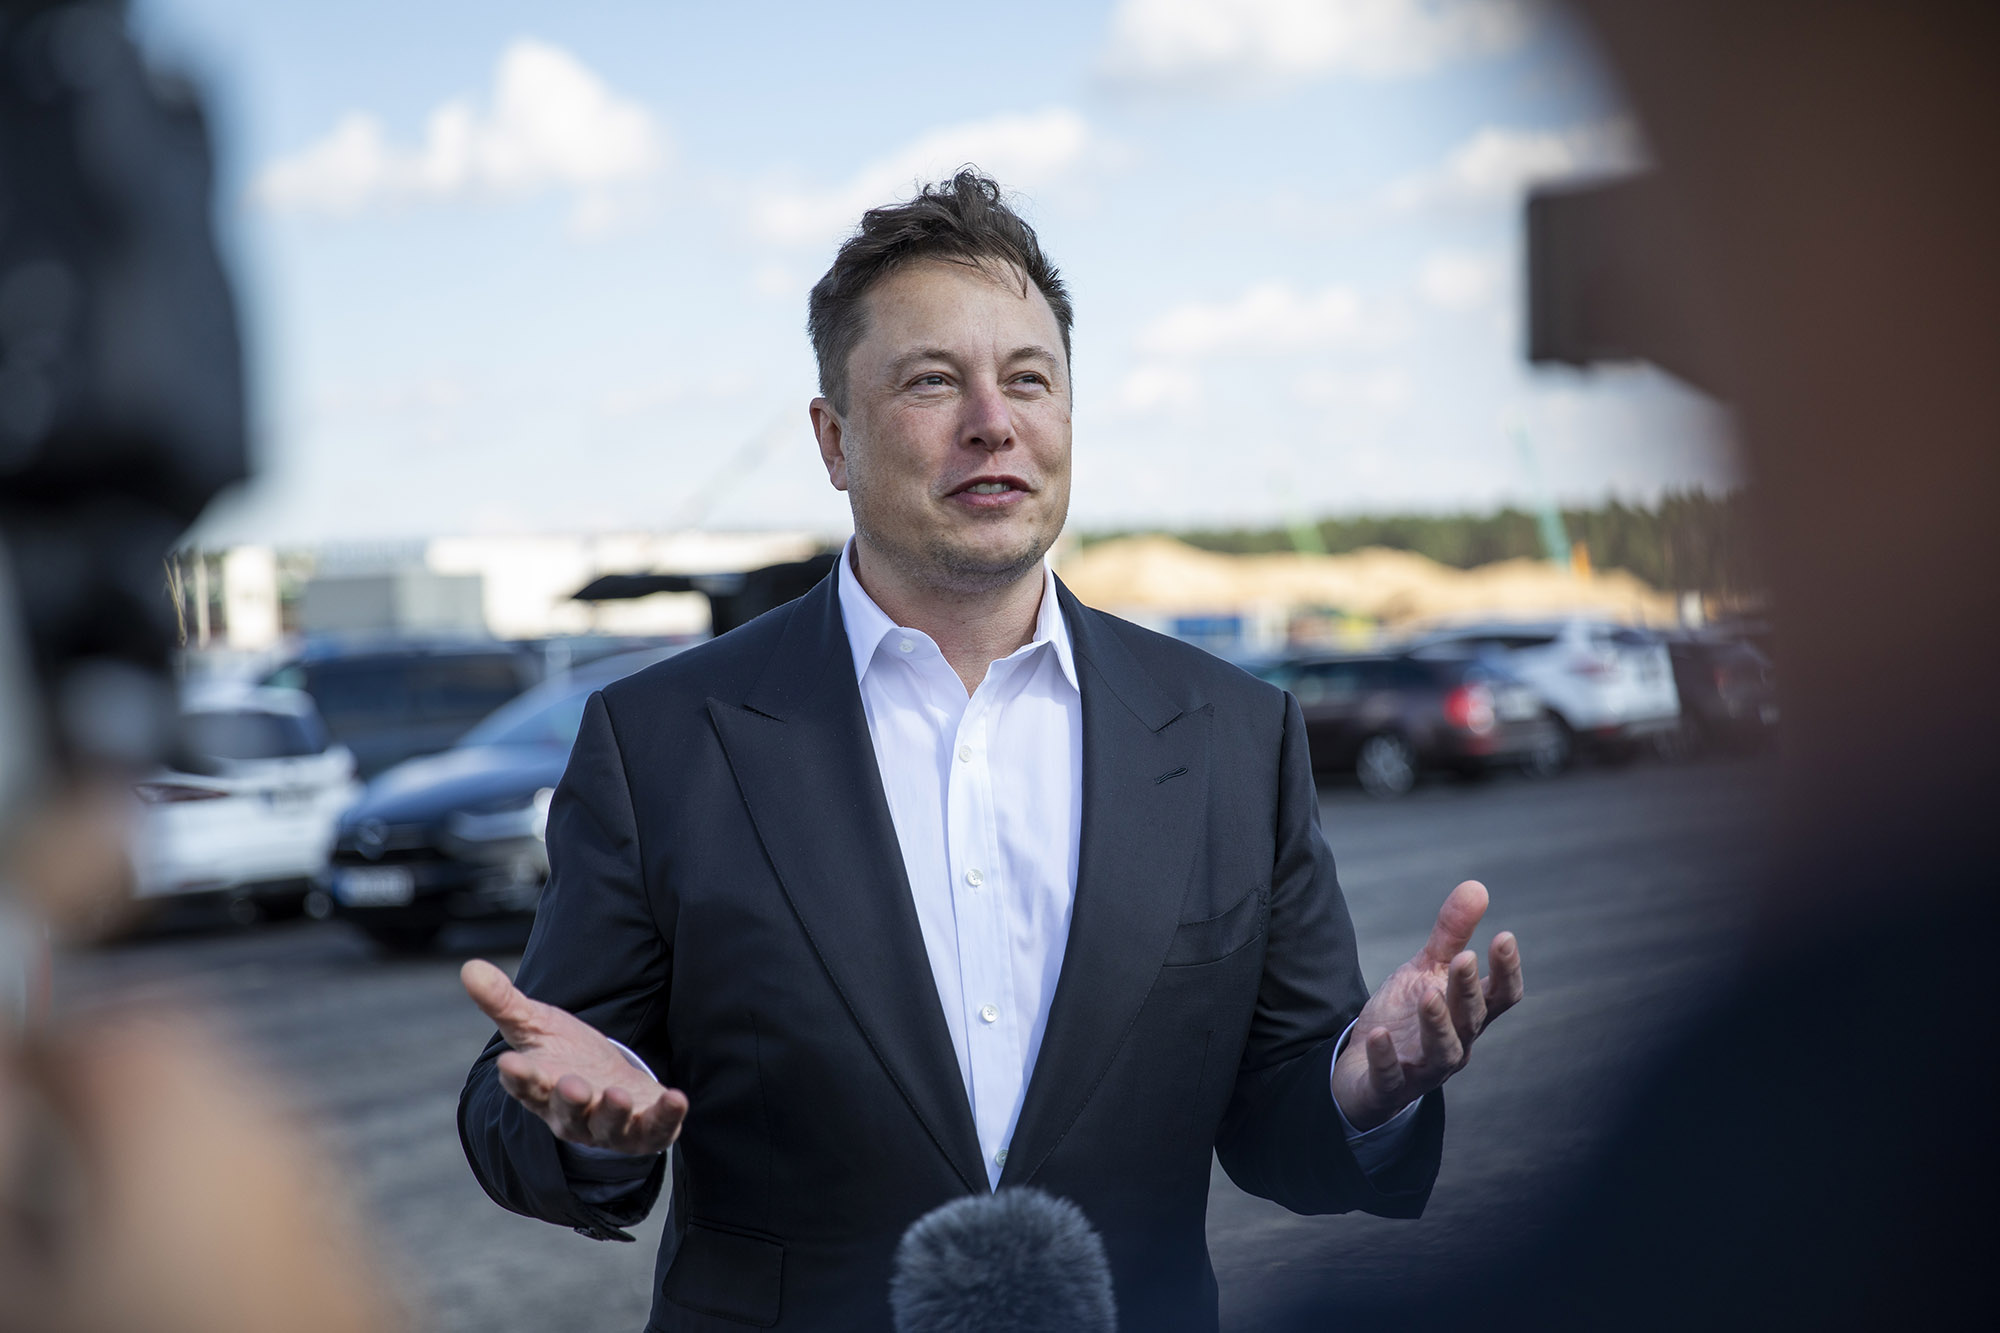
column 868, row 624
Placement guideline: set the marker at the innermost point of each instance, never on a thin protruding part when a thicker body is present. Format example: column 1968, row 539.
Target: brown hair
column 962, row 221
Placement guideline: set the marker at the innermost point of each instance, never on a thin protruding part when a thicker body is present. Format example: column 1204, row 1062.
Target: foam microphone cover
column 1019, row 1261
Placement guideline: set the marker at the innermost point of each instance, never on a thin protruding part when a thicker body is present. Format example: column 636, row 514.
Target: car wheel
column 1386, row 765
column 1554, row 754
column 401, row 937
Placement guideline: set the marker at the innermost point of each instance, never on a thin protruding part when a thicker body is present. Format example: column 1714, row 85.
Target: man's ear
column 831, row 432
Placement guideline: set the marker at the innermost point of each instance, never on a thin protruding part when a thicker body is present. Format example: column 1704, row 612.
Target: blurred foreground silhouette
column 1818, row 245
column 146, row 1179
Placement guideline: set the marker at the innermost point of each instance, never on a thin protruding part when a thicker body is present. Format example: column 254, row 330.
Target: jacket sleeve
column 598, row 951
column 1282, row 1137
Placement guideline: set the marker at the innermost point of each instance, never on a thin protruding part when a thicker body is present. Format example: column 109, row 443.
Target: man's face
column 955, row 446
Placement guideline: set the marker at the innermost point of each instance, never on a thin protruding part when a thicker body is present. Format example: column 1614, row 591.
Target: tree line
column 1691, row 541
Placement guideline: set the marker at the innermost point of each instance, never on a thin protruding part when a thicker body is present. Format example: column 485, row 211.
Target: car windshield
column 535, row 719
column 240, row 734
column 552, row 712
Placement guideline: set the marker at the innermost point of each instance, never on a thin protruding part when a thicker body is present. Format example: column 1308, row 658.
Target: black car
column 1729, row 694
column 459, row 835
column 388, row 700
column 1387, row 718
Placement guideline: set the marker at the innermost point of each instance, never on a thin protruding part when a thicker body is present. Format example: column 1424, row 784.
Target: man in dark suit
column 935, row 881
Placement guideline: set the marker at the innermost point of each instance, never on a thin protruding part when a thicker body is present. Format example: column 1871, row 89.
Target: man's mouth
column 990, row 486
column 989, row 493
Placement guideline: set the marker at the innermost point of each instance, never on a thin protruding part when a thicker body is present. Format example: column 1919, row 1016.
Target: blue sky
column 541, row 268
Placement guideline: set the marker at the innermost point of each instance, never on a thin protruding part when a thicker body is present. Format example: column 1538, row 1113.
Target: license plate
column 1518, row 705
column 375, row 886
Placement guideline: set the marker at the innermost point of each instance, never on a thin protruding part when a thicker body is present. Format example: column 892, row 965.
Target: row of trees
column 1691, row 541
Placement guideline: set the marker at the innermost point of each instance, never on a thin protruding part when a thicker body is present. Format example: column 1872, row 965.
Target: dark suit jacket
column 727, row 898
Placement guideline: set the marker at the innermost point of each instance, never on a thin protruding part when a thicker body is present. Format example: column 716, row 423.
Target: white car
column 253, row 828
column 1609, row 684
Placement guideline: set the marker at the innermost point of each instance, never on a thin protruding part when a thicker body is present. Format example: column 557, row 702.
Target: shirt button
column 974, row 878
column 1000, row 1158
column 965, row 754
column 907, row 645
column 989, row 1014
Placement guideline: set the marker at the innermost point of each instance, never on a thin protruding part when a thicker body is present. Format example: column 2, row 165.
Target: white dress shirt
column 986, row 794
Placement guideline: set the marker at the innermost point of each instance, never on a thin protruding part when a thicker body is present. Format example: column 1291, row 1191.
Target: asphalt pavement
column 1629, row 888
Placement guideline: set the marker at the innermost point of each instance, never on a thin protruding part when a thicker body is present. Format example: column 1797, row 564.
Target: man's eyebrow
column 917, row 355
column 1034, row 352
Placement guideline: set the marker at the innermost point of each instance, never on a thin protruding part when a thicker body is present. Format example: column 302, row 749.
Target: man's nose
column 988, row 422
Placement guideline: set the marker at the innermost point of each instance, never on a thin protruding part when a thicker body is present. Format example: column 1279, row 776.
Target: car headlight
column 528, row 820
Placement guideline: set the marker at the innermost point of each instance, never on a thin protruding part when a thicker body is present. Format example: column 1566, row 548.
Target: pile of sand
column 1157, row 576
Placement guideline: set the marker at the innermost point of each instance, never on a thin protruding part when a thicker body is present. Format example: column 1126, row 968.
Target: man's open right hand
column 569, row 1073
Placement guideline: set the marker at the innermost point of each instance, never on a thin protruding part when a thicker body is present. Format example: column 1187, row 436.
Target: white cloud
column 1021, row 151
column 1461, row 280
column 1383, row 390
column 551, row 124
column 1270, row 317
column 1498, row 164
column 1175, row 45
column 1157, row 388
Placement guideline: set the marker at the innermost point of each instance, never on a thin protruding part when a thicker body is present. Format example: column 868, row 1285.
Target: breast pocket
column 1209, row 941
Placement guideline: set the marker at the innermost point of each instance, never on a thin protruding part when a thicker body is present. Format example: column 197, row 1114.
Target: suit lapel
column 800, row 750
column 1145, row 789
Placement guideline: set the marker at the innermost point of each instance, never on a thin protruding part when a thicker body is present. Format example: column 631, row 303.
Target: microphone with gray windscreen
column 1019, row 1261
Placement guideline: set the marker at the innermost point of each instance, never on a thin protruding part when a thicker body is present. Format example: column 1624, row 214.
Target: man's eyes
column 939, row 380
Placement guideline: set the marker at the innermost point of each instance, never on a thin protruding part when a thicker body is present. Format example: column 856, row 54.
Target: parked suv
column 388, row 700
column 1609, row 685
column 1387, row 718
column 460, row 835
column 246, row 817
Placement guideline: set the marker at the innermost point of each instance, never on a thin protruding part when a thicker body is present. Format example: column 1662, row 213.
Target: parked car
column 1389, row 717
column 247, row 818
column 1728, row 692
column 1610, row 686
column 389, row 700
column 459, row 835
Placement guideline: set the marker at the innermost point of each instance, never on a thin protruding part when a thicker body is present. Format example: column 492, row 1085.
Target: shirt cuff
column 1377, row 1148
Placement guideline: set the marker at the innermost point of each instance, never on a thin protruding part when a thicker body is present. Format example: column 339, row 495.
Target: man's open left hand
column 1417, row 1030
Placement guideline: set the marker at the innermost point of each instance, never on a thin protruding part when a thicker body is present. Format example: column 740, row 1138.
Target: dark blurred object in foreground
column 146, row 1181
column 1817, row 1152
column 121, row 401
column 1019, row 1261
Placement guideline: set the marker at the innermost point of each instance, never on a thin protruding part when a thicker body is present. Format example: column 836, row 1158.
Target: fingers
column 1504, row 985
column 1464, row 997
column 1457, row 919
column 655, row 1128
column 1443, row 1052
column 499, row 999
column 1385, row 1069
